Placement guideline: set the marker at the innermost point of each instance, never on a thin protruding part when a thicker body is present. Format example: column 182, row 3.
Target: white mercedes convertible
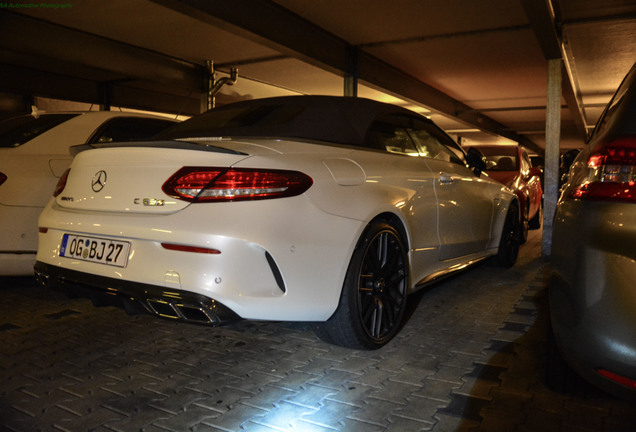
column 303, row 208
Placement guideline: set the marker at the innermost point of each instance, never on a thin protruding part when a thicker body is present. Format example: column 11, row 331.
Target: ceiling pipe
column 215, row 86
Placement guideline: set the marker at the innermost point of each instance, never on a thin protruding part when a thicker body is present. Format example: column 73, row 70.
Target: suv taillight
column 627, row 382
column 3, row 178
column 612, row 173
column 61, row 183
column 209, row 184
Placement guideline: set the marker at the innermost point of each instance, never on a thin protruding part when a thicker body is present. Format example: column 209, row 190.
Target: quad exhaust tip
column 183, row 312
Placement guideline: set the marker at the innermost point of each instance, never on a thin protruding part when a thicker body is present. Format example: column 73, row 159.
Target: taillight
column 612, row 173
column 207, row 184
column 627, row 382
column 3, row 178
column 61, row 184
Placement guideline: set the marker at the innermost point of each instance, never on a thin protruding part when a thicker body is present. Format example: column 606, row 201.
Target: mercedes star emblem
column 99, row 180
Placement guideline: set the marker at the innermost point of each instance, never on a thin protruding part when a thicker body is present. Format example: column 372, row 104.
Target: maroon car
column 510, row 165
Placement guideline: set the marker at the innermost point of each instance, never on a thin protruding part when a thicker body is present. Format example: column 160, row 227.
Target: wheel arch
column 520, row 210
column 515, row 200
column 521, row 198
column 396, row 222
column 498, row 224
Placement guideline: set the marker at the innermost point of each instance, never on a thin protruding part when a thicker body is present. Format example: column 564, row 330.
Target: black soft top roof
column 342, row 120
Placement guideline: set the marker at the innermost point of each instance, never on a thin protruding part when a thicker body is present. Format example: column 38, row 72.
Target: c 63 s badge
column 150, row 202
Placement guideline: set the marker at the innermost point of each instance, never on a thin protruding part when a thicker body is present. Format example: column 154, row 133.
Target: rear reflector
column 209, row 184
column 195, row 249
column 612, row 173
column 627, row 382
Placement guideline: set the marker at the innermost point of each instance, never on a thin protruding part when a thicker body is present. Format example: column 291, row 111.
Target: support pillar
column 351, row 74
column 105, row 96
column 553, row 136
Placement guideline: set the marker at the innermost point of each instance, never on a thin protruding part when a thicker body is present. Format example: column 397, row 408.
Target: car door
column 407, row 171
column 465, row 202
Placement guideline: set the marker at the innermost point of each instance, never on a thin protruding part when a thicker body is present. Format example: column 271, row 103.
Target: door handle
column 445, row 178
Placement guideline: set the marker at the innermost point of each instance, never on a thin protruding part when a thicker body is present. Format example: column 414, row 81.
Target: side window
column 433, row 143
column 399, row 142
column 129, row 129
column 413, row 136
column 389, row 135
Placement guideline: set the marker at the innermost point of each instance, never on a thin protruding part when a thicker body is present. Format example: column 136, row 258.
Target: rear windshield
column 18, row 130
column 242, row 121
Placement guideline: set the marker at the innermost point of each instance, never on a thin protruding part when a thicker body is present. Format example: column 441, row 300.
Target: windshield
column 18, row 130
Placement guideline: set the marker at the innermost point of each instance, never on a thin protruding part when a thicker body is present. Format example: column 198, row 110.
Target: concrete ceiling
column 478, row 68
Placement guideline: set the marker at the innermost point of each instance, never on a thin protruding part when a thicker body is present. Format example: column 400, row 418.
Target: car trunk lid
column 129, row 178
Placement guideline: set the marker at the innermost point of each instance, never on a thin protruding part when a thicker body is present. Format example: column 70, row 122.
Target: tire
column 374, row 293
column 559, row 376
column 510, row 238
column 537, row 219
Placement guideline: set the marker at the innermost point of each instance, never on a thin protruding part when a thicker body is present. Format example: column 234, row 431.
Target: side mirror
column 476, row 161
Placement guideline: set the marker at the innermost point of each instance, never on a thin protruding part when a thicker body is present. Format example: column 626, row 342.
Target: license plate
column 93, row 249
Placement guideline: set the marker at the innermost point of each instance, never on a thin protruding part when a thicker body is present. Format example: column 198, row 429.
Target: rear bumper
column 16, row 263
column 592, row 295
column 19, row 233
column 135, row 297
column 280, row 260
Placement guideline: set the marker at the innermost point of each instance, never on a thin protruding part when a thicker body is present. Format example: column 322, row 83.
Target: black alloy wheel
column 374, row 293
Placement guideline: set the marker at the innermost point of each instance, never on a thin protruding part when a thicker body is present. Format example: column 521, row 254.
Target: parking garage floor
column 470, row 358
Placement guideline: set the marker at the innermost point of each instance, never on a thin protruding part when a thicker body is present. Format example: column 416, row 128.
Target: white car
column 34, row 153
column 301, row 208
